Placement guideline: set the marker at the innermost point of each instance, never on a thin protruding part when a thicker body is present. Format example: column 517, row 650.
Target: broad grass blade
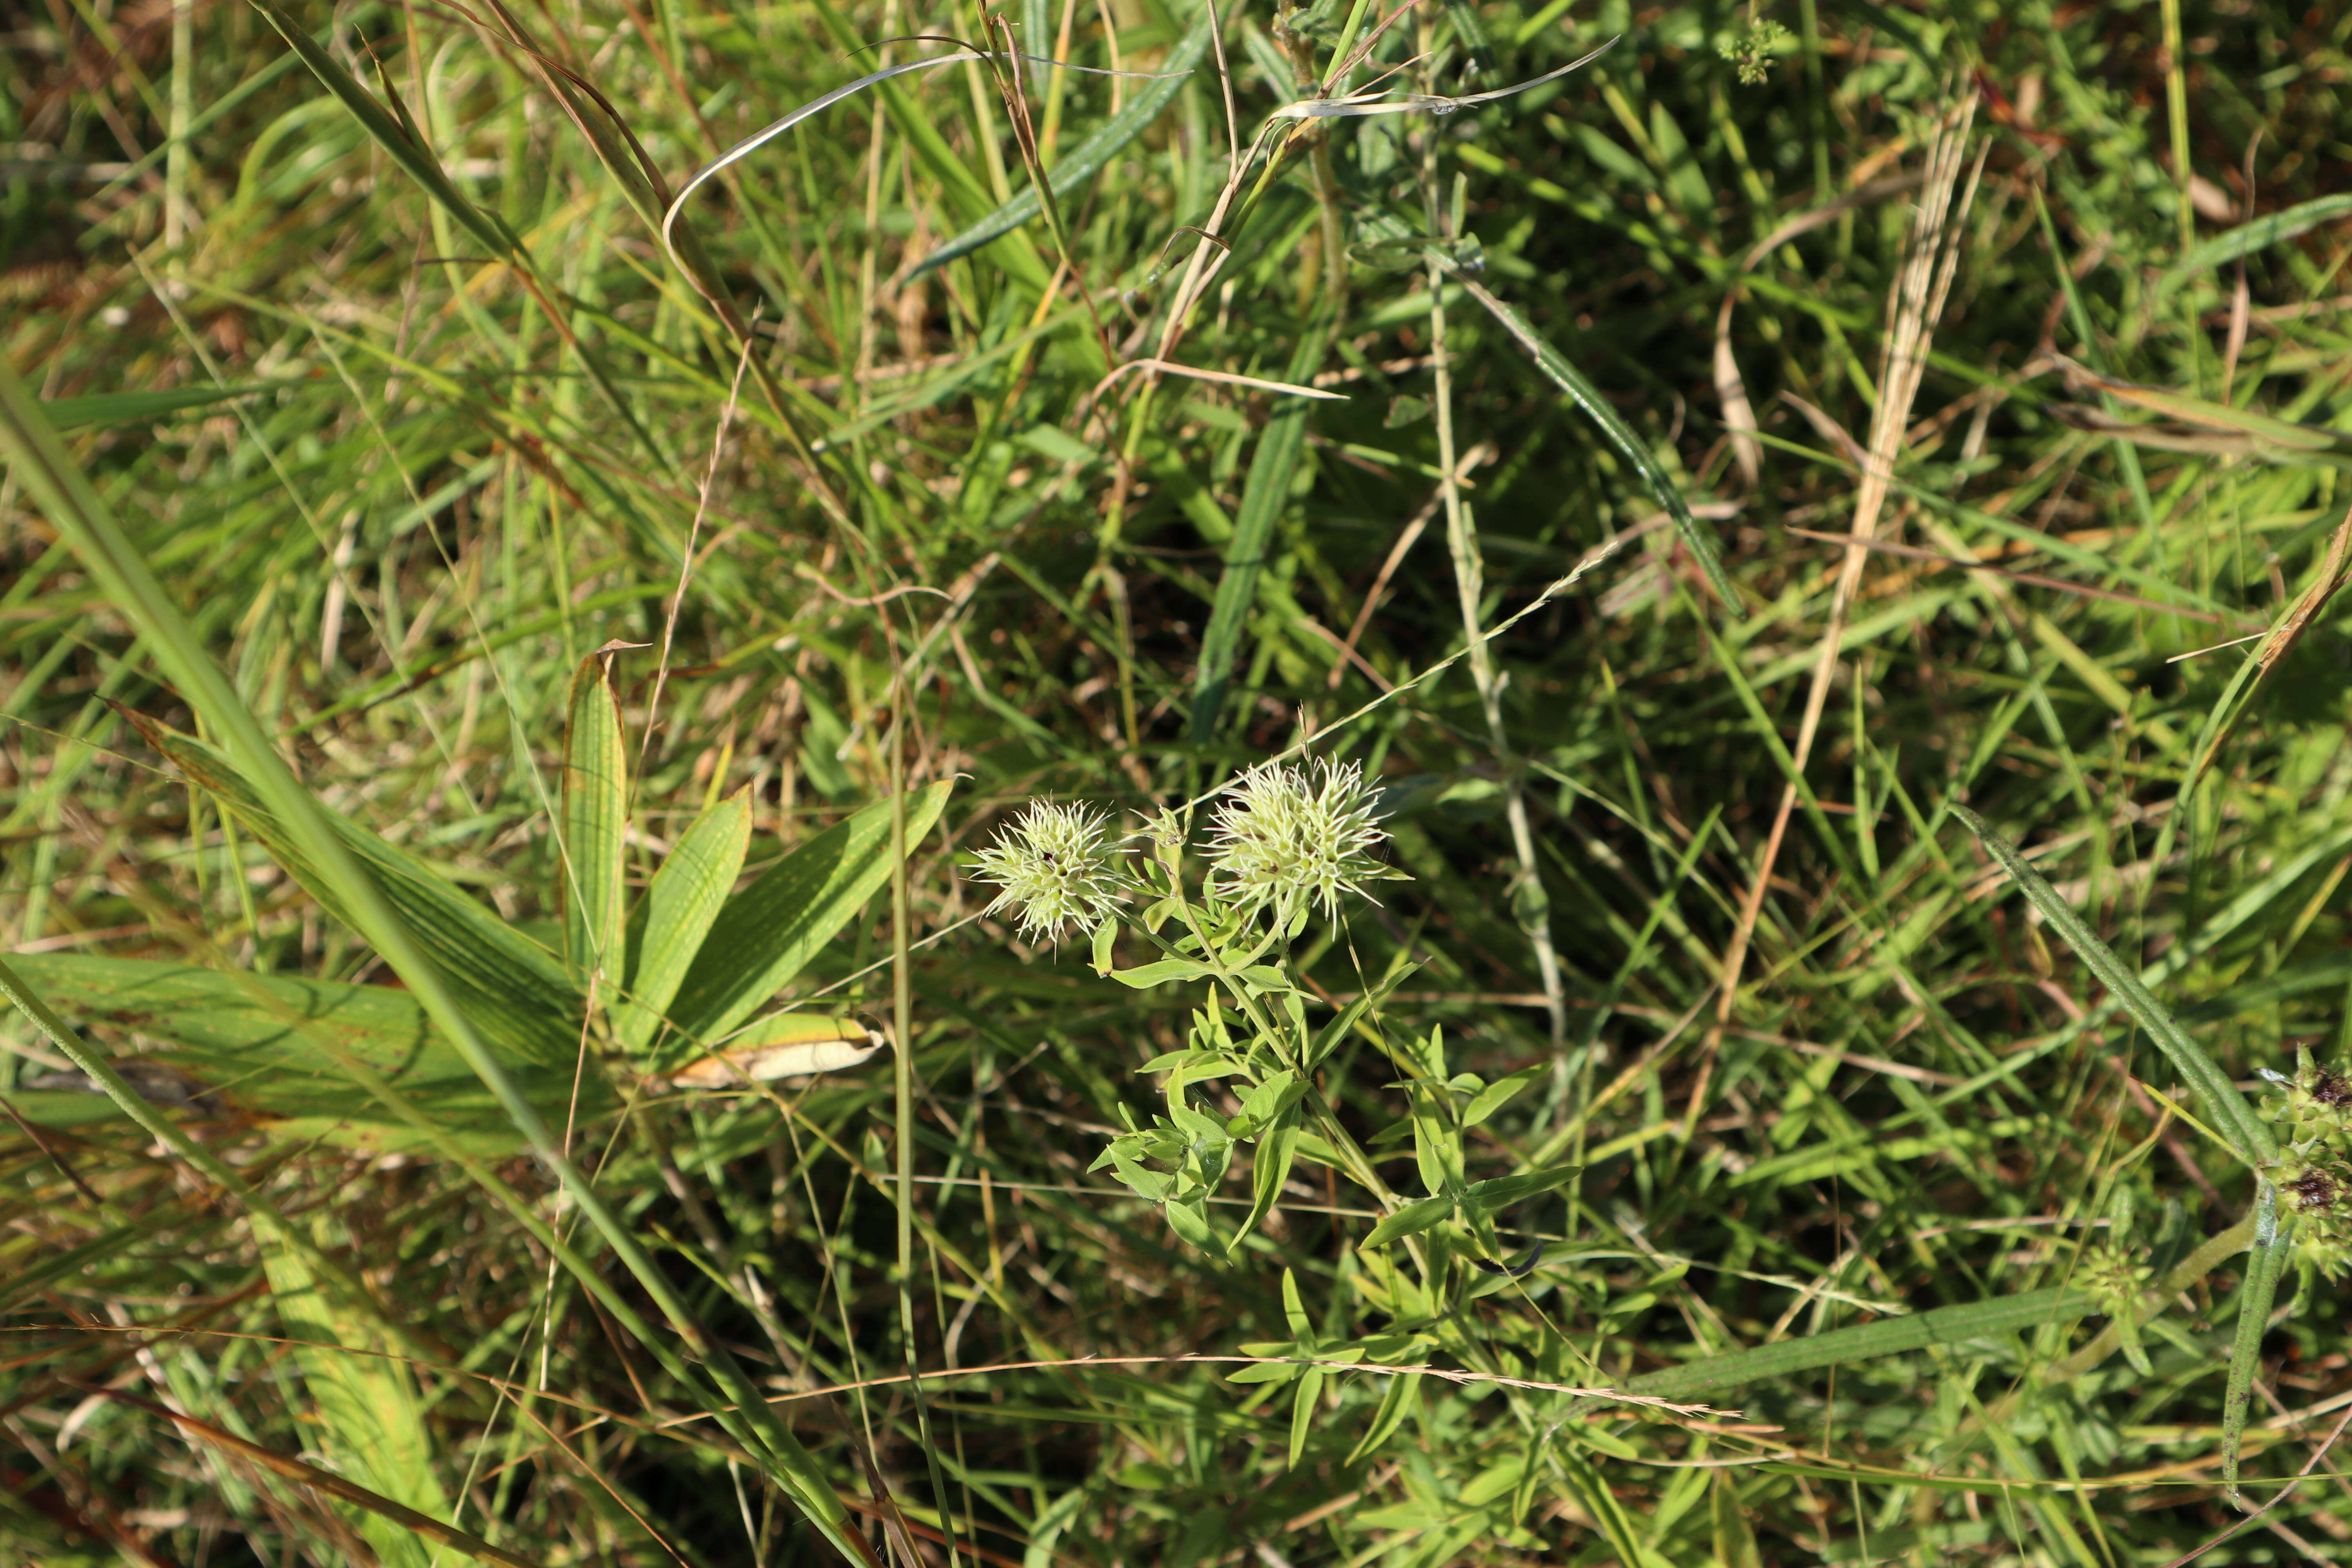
column 137, row 407
column 516, row 992
column 2248, row 1133
column 681, row 905
column 1263, row 496
column 596, row 819
column 268, row 1046
column 767, row 933
column 366, row 1403
column 1085, row 161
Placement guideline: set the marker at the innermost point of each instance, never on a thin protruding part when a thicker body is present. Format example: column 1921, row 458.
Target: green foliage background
column 403, row 400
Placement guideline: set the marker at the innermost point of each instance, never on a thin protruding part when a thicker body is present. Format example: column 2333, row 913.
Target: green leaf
column 1278, row 1150
column 364, row 1398
column 516, row 992
column 2249, row 1133
column 595, row 820
column 41, row 463
column 1501, row 1093
column 136, row 408
column 1504, row 1191
column 1266, row 1372
column 1263, row 496
column 1148, row 975
column 768, row 932
column 1890, row 1336
column 679, row 909
column 266, row 1044
column 1409, row 1220
column 1293, row 1310
column 1396, row 1405
column 1193, row 1225
column 1083, row 162
column 389, row 133
column 1303, row 1407
column 2264, row 1261
column 2249, row 238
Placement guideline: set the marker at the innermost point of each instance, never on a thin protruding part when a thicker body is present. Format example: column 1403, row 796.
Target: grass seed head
column 1056, row 870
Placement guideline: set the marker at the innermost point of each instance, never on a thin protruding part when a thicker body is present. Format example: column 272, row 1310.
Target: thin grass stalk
column 902, row 1083
column 1530, row 905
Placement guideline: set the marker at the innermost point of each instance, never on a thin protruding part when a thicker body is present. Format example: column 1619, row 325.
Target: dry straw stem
column 1913, row 310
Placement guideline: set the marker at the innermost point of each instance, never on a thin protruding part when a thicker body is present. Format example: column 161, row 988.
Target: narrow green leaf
column 1586, row 396
column 1086, row 160
column 1501, row 1093
column 136, row 408
column 515, row 990
column 1504, row 1191
column 2265, row 1260
column 681, row 907
column 1159, row 973
column 1278, row 1150
column 766, row 934
column 388, row 133
column 1409, row 1220
column 1303, row 1407
column 1193, row 1225
column 1396, row 1406
column 364, row 1400
column 1889, row 1336
column 1293, row 1310
column 2251, row 1135
column 2249, row 238
column 1263, row 496
column 595, row 821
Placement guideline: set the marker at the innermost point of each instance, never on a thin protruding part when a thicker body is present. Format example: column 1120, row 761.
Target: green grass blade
column 2249, row 238
column 1085, row 161
column 681, row 907
column 1263, row 496
column 136, row 408
column 2251, row 1136
column 515, row 990
column 1889, row 1336
column 595, row 821
column 49, row 476
column 272, row 1046
column 388, row 133
column 767, row 933
column 1586, row 396
column 2265, row 1260
column 366, row 1403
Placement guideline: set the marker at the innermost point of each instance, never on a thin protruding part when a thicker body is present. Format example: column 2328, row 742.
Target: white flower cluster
column 1286, row 839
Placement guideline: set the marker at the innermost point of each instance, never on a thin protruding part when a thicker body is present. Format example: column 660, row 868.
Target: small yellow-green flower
column 1288, row 838
column 1056, row 870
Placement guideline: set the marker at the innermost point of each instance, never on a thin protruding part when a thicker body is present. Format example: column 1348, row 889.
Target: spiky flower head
column 1056, row 870
column 1288, row 838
